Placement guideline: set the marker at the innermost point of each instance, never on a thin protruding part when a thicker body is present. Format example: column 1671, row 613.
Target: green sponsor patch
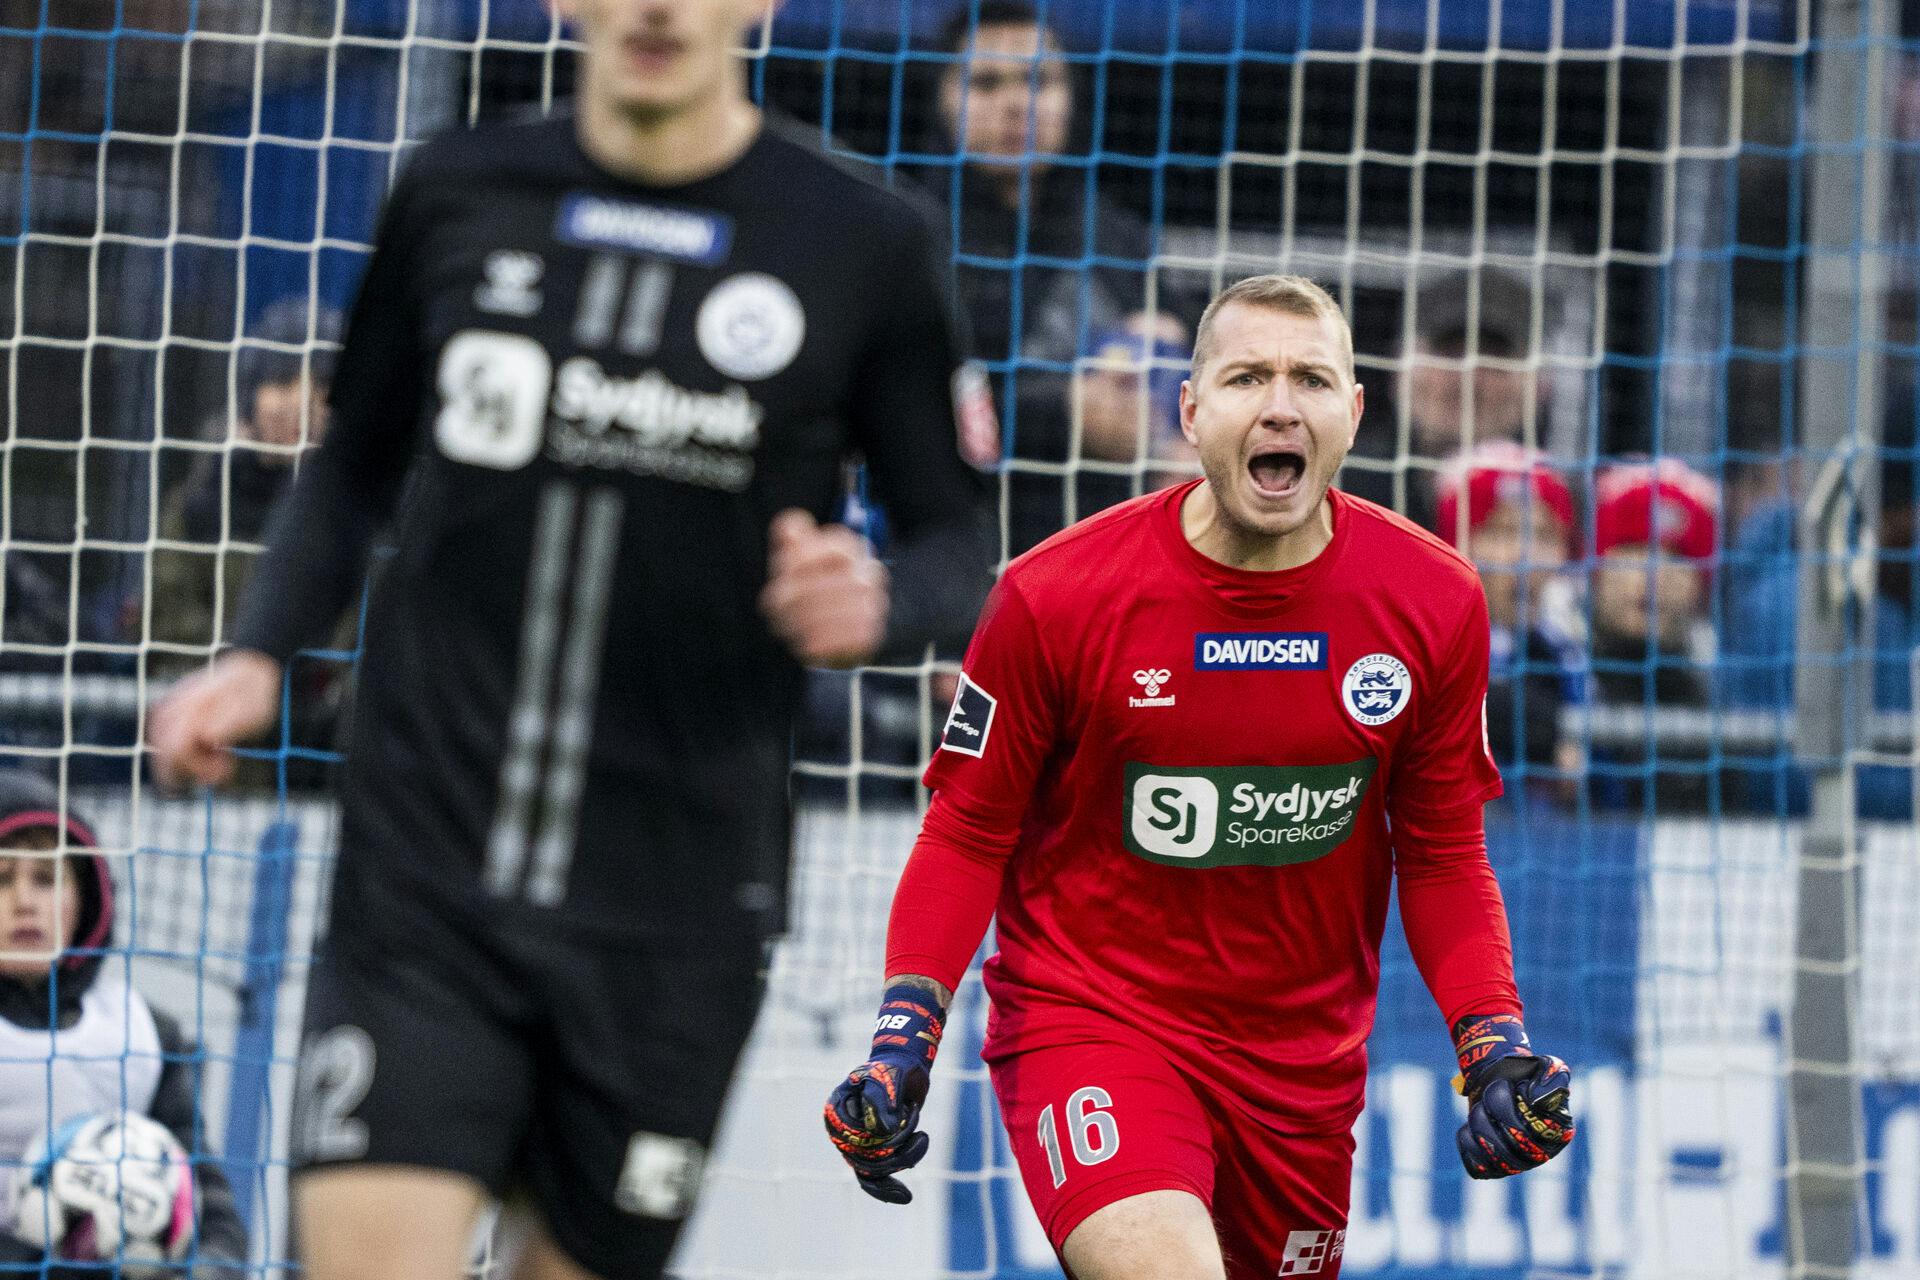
column 1241, row 815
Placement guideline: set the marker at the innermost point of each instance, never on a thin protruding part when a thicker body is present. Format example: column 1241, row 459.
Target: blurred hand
column 192, row 729
column 826, row 595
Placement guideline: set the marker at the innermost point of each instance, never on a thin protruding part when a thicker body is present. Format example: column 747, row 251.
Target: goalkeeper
column 75, row 1042
column 1197, row 739
column 605, row 378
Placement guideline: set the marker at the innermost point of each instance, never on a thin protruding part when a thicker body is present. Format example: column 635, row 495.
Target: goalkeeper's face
column 39, row 904
column 1272, row 412
column 652, row 59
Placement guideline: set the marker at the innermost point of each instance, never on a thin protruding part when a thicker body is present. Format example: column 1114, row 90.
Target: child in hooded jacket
column 76, row 1040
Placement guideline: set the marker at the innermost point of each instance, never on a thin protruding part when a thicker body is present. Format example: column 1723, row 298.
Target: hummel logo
column 1150, row 679
column 509, row 289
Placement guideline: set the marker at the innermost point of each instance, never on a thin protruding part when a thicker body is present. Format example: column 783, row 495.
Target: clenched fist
column 826, row 596
column 194, row 726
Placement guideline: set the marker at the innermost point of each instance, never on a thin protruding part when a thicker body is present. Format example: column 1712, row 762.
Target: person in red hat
column 1506, row 507
column 1654, row 533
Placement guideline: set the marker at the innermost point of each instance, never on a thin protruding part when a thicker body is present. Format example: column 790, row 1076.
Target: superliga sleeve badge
column 970, row 720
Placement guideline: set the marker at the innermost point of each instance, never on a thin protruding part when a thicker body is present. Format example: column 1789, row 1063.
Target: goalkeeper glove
column 873, row 1115
column 1517, row 1113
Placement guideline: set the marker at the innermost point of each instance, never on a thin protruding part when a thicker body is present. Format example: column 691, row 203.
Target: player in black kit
column 601, row 382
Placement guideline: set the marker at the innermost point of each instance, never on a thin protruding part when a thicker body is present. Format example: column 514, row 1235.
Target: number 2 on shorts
column 1091, row 1129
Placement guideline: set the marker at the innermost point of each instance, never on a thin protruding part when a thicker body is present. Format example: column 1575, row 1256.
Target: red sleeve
column 1446, row 764
column 946, row 894
column 1455, row 919
column 1450, row 904
column 995, row 740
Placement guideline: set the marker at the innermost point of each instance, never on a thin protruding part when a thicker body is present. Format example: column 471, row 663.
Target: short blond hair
column 1294, row 295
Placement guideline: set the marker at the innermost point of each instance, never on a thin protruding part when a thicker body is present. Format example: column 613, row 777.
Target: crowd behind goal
column 1575, row 286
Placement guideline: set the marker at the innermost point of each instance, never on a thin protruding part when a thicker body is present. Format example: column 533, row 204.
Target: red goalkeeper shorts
column 1107, row 1116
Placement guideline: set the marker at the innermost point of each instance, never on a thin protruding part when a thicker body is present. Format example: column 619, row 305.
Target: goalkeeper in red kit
column 1197, row 738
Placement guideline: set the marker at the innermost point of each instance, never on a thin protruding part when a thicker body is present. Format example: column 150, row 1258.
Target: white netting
column 1600, row 230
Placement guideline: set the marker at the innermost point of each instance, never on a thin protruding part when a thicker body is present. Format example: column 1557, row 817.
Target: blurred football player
column 617, row 363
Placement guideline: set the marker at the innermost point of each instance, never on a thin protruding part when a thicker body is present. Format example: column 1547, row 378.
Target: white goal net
column 1613, row 233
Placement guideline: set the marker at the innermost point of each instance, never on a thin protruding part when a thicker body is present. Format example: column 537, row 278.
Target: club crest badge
column 1376, row 688
column 751, row 326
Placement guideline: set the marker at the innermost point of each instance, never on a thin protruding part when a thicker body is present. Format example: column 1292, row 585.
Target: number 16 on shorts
column 1091, row 1131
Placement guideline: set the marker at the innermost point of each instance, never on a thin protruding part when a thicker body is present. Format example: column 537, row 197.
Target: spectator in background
column 1006, row 102
column 281, row 378
column 80, row 1042
column 1760, row 587
column 1654, row 529
column 1895, row 611
column 33, row 611
column 1507, row 508
column 1762, row 602
column 215, row 521
column 1094, row 375
column 1469, row 379
column 1886, row 791
column 1127, row 398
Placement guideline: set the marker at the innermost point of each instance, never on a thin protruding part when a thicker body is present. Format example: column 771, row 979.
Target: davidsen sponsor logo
column 598, row 222
column 1260, row 651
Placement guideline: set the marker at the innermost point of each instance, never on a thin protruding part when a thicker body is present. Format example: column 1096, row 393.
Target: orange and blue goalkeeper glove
column 1517, row 1100
column 873, row 1116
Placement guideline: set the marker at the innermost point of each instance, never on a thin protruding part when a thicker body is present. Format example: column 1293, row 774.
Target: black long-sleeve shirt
column 594, row 395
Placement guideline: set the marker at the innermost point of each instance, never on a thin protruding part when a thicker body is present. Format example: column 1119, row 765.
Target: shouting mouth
column 651, row 53
column 1277, row 473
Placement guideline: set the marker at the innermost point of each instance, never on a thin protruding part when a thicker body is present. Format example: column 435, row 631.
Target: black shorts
column 590, row 1075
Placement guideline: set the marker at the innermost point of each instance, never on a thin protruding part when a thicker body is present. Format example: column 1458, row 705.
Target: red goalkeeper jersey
column 1183, row 789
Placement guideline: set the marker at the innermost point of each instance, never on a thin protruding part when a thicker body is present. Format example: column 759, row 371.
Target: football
column 106, row 1187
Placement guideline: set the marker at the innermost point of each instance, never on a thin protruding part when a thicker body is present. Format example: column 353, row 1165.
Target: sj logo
column 1242, row 815
column 1174, row 817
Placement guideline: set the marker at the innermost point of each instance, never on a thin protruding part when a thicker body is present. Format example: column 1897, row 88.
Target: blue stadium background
column 302, row 198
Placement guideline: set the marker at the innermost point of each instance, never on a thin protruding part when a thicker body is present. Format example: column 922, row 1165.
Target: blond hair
column 1294, row 295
